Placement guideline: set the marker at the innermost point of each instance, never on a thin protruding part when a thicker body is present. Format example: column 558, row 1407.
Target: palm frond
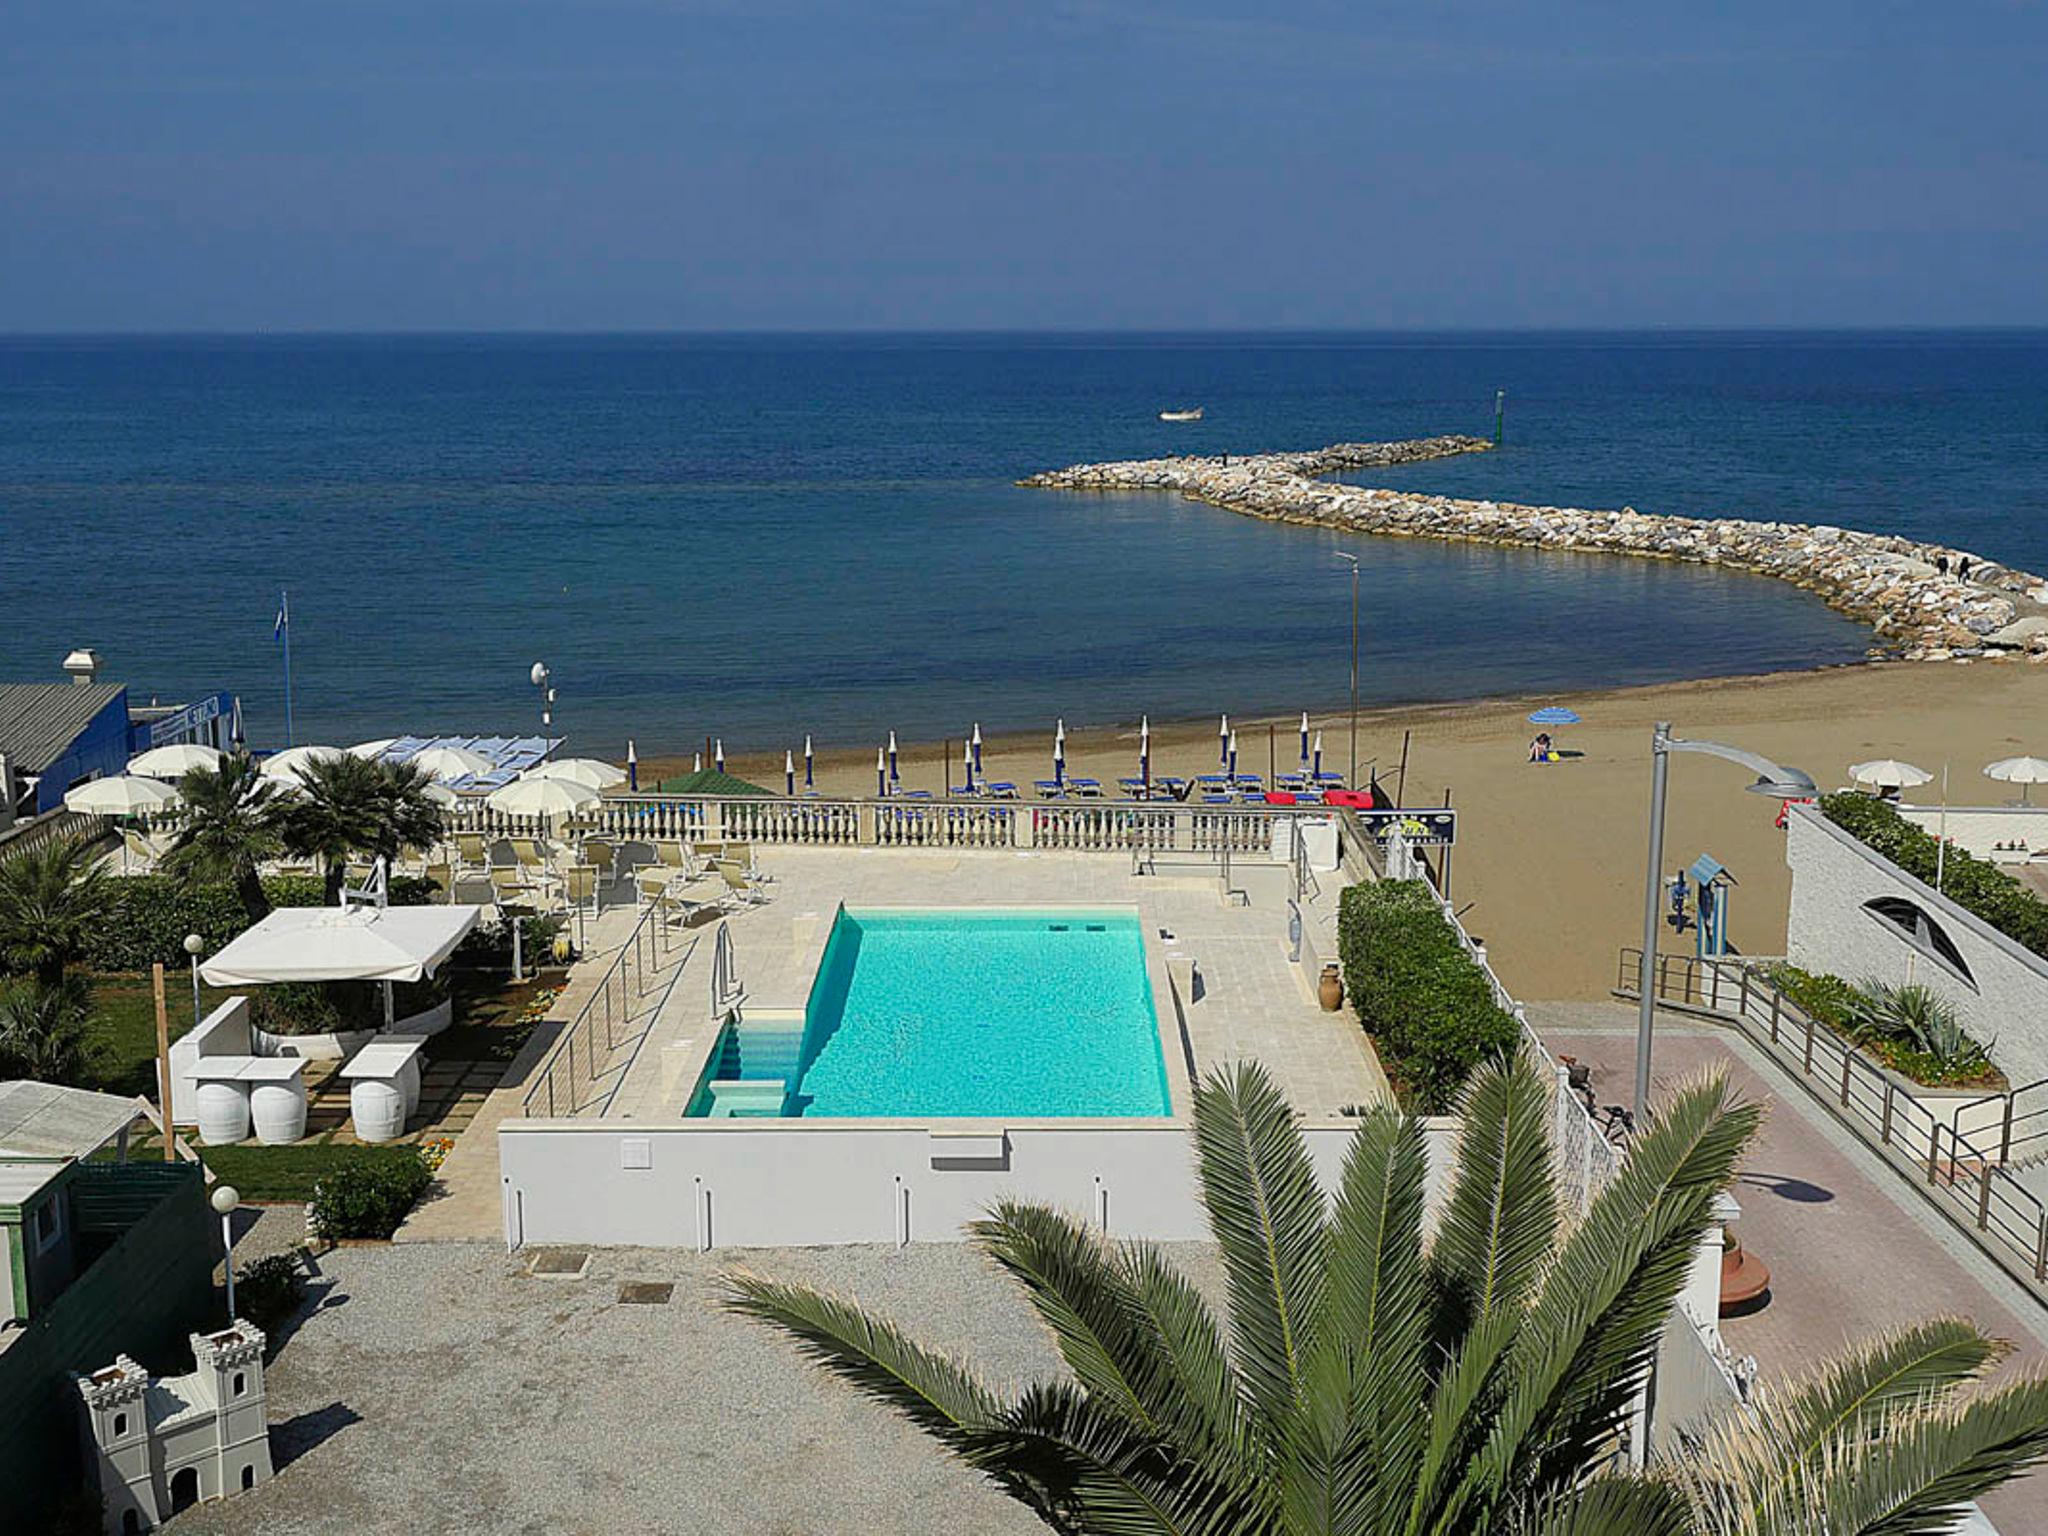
column 1205, row 1407
column 939, row 1395
column 1080, row 1294
column 1501, row 1223
column 1612, row 1505
column 1916, row 1365
column 1094, row 1471
column 1266, row 1210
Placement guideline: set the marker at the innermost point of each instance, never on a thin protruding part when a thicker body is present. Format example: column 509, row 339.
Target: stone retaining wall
column 1892, row 584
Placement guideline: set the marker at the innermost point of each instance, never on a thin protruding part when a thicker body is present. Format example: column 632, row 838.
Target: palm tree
column 43, row 1030
column 349, row 806
column 230, row 827
column 51, row 898
column 1366, row 1382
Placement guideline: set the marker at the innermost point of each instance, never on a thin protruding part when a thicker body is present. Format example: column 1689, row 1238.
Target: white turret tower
column 117, row 1417
column 231, row 1363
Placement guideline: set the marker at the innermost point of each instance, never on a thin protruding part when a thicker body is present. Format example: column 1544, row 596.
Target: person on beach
column 1963, row 569
column 1539, row 749
column 1941, row 564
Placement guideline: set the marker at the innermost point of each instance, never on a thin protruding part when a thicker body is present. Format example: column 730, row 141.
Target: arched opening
column 1913, row 923
column 184, row 1488
column 248, row 1476
column 120, row 1425
column 131, row 1522
column 241, row 1383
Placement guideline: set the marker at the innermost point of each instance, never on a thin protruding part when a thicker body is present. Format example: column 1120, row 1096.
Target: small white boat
column 1194, row 415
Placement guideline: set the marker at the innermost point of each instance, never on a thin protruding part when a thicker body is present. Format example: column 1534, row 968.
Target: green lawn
column 123, row 1028
column 289, row 1173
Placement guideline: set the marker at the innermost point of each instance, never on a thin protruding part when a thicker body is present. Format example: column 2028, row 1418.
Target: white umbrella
column 341, row 944
column 451, row 762
column 542, row 797
column 2019, row 770
column 173, row 761
column 439, row 793
column 285, row 765
column 123, row 795
column 1888, row 773
column 373, row 749
column 587, row 771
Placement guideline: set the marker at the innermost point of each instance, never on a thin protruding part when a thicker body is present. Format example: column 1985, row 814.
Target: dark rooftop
column 39, row 720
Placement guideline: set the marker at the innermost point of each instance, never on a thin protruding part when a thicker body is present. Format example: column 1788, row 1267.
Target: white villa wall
column 2005, row 1003
column 773, row 1183
column 1978, row 829
column 224, row 1032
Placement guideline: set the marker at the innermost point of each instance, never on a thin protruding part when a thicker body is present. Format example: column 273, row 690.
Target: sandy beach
column 1550, row 858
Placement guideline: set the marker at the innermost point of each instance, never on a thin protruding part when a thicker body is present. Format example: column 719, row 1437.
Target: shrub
column 1419, row 994
column 322, row 1007
column 44, row 1030
column 151, row 914
column 369, row 1195
column 1909, row 1029
column 268, row 1290
column 489, row 945
column 1971, row 883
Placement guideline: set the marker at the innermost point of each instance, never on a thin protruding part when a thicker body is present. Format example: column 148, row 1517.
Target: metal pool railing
column 1955, row 1148
column 582, row 1073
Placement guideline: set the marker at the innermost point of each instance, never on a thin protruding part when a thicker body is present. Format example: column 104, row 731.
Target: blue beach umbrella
column 807, row 762
column 718, row 756
column 881, row 776
column 1145, row 749
column 1304, row 735
column 1317, row 771
column 632, row 765
column 1223, row 740
column 1555, row 714
column 976, row 743
column 789, row 774
column 893, row 774
column 1059, row 755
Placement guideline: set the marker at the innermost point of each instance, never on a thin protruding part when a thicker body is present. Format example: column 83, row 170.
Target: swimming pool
column 1016, row 1012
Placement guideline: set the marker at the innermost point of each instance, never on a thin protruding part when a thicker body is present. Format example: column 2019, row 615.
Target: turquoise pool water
column 1044, row 1012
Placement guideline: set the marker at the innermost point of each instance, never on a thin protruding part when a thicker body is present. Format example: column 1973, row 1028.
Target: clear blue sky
column 667, row 164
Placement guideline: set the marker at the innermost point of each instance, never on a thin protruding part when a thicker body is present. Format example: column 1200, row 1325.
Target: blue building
column 55, row 736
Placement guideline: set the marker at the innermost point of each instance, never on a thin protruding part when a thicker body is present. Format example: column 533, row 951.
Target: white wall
column 775, row 1183
column 2004, row 1006
column 1975, row 829
column 223, row 1032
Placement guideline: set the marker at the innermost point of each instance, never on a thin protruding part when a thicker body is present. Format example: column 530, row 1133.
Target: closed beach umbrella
column 1888, row 773
column 1317, row 770
column 172, row 762
column 1059, row 755
column 1555, row 714
column 543, row 798
column 892, row 757
column 2022, row 771
column 446, row 763
column 373, row 749
column 718, row 754
column 285, row 765
column 1304, row 736
column 1230, row 755
column 967, row 763
column 881, row 773
column 632, row 765
column 1223, row 740
column 789, row 774
column 579, row 770
column 807, row 762
column 1145, row 750
column 975, row 743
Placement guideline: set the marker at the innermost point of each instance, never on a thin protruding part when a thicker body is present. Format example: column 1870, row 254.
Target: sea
column 762, row 537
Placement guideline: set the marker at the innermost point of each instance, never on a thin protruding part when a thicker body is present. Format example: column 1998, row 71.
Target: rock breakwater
column 1925, row 602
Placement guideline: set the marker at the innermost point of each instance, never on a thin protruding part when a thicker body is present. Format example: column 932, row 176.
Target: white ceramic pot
column 279, row 1111
column 223, row 1113
column 378, row 1105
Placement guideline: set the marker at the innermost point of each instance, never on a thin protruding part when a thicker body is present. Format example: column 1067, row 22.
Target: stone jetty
column 1926, row 602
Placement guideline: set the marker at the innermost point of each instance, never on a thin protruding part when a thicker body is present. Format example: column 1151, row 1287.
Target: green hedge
column 1422, row 998
column 153, row 913
column 368, row 1196
column 1971, row 883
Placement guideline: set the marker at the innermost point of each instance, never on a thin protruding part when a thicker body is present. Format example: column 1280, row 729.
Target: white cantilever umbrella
column 1888, row 773
column 173, row 761
column 2019, row 770
column 451, row 762
column 285, row 765
column 341, row 944
column 587, row 771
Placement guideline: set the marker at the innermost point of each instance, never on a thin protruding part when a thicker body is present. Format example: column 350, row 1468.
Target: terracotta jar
column 1331, row 991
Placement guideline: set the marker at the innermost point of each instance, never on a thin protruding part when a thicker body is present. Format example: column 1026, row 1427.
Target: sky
column 397, row 165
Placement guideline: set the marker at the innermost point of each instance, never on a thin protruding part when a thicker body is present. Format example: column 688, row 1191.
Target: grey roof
column 44, row 1120
column 39, row 720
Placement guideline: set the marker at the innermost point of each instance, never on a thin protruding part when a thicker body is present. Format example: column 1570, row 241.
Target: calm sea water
column 761, row 537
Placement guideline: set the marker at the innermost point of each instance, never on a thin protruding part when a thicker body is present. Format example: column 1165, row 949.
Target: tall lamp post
column 193, row 945
column 1352, row 781
column 1773, row 779
column 543, row 679
column 224, row 1200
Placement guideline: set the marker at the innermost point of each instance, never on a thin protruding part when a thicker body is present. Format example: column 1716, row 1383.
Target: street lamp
column 225, row 1200
column 194, row 944
column 1352, row 782
column 542, row 679
column 1773, row 779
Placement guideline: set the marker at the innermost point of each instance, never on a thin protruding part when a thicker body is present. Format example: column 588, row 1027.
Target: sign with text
column 1436, row 828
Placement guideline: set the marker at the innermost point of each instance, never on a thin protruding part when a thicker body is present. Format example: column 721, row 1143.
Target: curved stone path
column 1928, row 602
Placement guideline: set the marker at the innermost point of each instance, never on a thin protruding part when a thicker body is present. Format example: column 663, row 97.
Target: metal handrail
column 1967, row 1177
column 649, row 939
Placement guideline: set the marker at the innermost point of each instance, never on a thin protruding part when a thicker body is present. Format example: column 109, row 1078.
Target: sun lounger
column 741, row 887
column 1050, row 789
column 1001, row 789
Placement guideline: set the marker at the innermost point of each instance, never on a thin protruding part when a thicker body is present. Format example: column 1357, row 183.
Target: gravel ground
column 439, row 1387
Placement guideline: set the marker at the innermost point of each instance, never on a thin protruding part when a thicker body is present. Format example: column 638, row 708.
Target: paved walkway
column 1853, row 1248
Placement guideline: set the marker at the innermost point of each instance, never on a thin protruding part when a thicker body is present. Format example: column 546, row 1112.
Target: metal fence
column 582, row 1073
column 1952, row 1147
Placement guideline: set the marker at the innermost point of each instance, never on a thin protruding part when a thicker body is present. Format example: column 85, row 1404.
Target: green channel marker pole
column 1500, row 411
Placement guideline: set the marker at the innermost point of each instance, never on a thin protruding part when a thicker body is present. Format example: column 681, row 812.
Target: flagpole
column 284, row 624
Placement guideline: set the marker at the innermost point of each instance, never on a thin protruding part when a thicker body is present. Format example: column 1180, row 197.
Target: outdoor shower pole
column 1351, row 782
column 1646, row 987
